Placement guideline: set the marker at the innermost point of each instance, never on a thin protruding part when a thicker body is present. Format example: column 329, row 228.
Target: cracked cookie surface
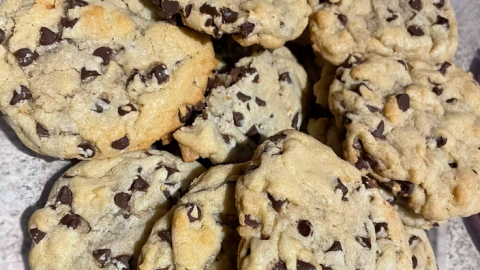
column 93, row 79
column 302, row 207
column 99, row 213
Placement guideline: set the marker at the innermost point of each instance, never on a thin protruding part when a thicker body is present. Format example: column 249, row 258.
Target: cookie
column 200, row 232
column 99, row 213
column 414, row 127
column 302, row 207
column 262, row 95
column 423, row 257
column 409, row 29
column 94, row 79
column 268, row 23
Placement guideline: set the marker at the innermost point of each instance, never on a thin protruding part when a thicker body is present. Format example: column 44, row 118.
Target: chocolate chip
column 453, row 165
column 443, row 21
column 451, row 100
column 285, row 77
column 368, row 183
column 301, row 265
column 104, row 53
column 406, row 188
column 169, row 170
column 2, row 36
column 304, row 227
column 357, row 144
column 378, row 133
column 379, row 226
column 253, row 134
column 279, row 266
column 412, row 239
column 260, row 103
column 364, row 242
column 325, row 267
column 161, row 73
column 165, row 236
column 126, row 109
column 170, row 7
column 192, row 214
column 139, row 185
column 440, row 4
column 393, row 18
column 277, row 138
column 87, row 149
column 102, row 255
column 69, row 23
column 403, row 102
column 403, row 63
column 188, row 10
column 123, row 262
column 441, row 141
column 251, row 222
column 188, row 114
column 343, row 188
column 64, row 196
column 241, row 72
column 362, row 164
column 242, row 97
column 42, row 131
column 438, row 90
column 78, row 3
column 71, row 221
column 47, row 36
column 173, row 197
column 343, row 19
column 200, row 106
column 416, row 4
column 415, row 31
column 26, row 57
column 358, row 88
column 246, row 29
column 238, row 119
column 414, row 262
column 443, row 68
column 88, row 75
column 373, row 109
column 228, row 15
column 295, row 121
column 121, row 199
column 276, row 204
column 435, row 224
column 121, row 143
column 37, row 235
column 226, row 138
column 207, row 9
column 337, row 246
column 19, row 95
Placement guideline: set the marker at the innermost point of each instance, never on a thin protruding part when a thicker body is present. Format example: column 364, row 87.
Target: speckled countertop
column 26, row 179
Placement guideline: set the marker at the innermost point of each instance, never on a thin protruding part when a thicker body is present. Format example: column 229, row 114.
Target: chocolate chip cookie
column 94, row 79
column 302, row 207
column 99, row 213
column 262, row 95
column 413, row 126
column 268, row 23
column 423, row 257
column 409, row 29
column 200, row 232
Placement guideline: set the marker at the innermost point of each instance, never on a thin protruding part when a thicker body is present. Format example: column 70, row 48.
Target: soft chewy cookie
column 415, row 127
column 93, row 79
column 262, row 95
column 412, row 29
column 268, row 23
column 302, row 207
column 99, row 213
column 423, row 257
column 200, row 232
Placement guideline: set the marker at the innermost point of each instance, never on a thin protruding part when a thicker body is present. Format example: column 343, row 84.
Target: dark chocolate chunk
column 21, row 95
column 337, row 246
column 415, row 31
column 304, row 227
column 403, row 102
column 161, row 73
column 301, row 265
column 413, row 239
column 77, row 3
column 42, row 131
column 443, row 21
column 439, row 4
column 443, row 68
column 378, row 133
column 379, row 226
column 260, row 103
column 87, row 149
column 416, row 4
column 104, row 53
column 368, row 183
column 451, row 100
column 226, row 138
column 276, row 204
column 121, row 199
column 139, row 184
column 64, row 196
column 165, row 236
column 295, row 121
column 170, row 7
column 242, row 97
column 37, row 235
column 71, row 221
column 285, row 77
column 279, row 266
column 438, row 90
column 238, row 119
column 88, row 75
column 453, row 165
column 188, row 10
column 228, row 15
column 122, row 262
column 192, row 214
column 343, row 19
column 67, row 23
column 121, row 143
column 126, row 109
column 362, row 164
column 246, row 29
column 414, row 262
column 47, row 36
column 2, row 36
column 373, row 109
column 364, row 242
column 207, row 9
column 188, row 114
column 26, row 57
column 343, row 188
column 251, row 222
column 102, row 256
column 441, row 141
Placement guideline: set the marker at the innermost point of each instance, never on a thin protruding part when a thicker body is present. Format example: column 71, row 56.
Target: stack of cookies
column 191, row 119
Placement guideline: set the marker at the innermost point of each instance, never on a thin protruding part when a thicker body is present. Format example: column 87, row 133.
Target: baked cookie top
column 93, row 79
column 200, row 232
column 268, row 23
column 410, row 29
column 302, row 207
column 414, row 127
column 262, row 95
column 99, row 213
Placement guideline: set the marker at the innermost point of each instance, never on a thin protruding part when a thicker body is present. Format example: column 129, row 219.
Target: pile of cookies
column 191, row 119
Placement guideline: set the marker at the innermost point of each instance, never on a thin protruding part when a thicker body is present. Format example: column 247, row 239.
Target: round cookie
column 262, row 95
column 302, row 207
column 268, row 23
column 410, row 29
column 423, row 257
column 93, row 79
column 415, row 128
column 99, row 213
column 200, row 232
